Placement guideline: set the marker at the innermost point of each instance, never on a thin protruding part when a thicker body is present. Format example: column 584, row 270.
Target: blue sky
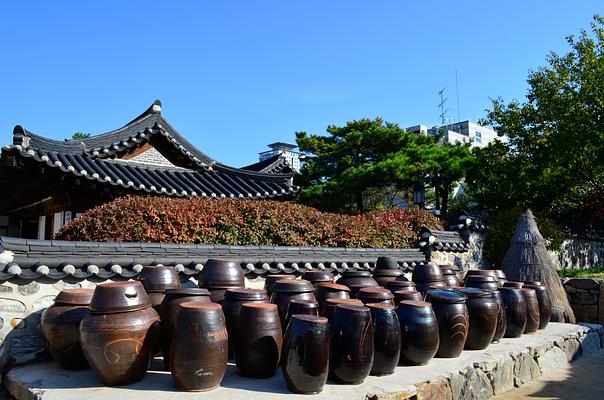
column 234, row 76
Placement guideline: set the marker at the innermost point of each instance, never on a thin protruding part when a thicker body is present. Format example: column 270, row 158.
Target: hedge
column 243, row 222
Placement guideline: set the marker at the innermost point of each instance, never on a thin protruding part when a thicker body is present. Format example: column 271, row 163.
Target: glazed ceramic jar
column 297, row 306
column 488, row 282
column 375, row 295
column 515, row 311
column 501, row 316
column 324, row 291
column 270, row 280
column 351, row 344
column 512, row 284
column 419, row 332
column 305, row 357
column 219, row 275
column 386, row 270
column 120, row 332
column 425, row 287
column 453, row 320
column 316, row 277
column 258, row 351
column 386, row 338
column 329, row 306
column 532, row 310
column 484, row 312
column 545, row 304
column 156, row 279
column 400, row 284
column 286, row 290
column 357, row 277
column 61, row 326
column 450, row 277
column 199, row 348
column 427, row 277
column 231, row 306
column 168, row 313
column 402, row 295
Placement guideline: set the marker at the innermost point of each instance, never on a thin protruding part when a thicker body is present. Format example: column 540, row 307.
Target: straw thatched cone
column 527, row 259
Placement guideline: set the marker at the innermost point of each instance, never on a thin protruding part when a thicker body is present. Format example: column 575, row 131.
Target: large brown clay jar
column 400, row 284
column 501, row 317
column 453, row 321
column 61, row 326
column 545, row 304
column 219, row 275
column 402, row 295
column 450, row 277
column 487, row 282
column 425, row 287
column 532, row 310
column 515, row 311
column 419, row 332
column 512, row 284
column 484, row 313
column 357, row 277
column 199, row 348
column 375, row 295
column 231, row 306
column 324, row 291
column 120, row 332
column 428, row 272
column 270, row 280
column 168, row 313
column 297, row 306
column 351, row 344
column 386, row 270
column 386, row 338
column 286, row 290
column 316, row 277
column 156, row 279
column 305, row 358
column 258, row 351
column 330, row 305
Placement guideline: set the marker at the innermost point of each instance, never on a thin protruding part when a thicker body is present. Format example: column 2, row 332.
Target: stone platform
column 474, row 375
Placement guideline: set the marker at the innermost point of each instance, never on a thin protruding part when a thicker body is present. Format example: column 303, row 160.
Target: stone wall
column 586, row 297
column 578, row 253
column 470, row 259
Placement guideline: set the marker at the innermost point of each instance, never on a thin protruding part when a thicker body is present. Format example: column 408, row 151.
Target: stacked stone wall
column 586, row 297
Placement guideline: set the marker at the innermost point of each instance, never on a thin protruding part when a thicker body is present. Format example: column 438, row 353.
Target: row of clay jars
column 120, row 332
column 543, row 299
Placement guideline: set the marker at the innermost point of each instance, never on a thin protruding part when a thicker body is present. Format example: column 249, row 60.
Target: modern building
column 281, row 157
column 460, row 132
column 48, row 182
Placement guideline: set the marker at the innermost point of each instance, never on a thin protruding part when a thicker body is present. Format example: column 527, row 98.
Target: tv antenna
column 441, row 105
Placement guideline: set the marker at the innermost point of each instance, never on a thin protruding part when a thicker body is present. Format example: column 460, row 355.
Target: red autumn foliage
column 243, row 222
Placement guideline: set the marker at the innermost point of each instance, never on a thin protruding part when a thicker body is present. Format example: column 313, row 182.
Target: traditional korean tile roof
column 274, row 165
column 27, row 259
column 95, row 159
column 443, row 240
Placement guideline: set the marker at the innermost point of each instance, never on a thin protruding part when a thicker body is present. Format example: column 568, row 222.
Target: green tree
column 80, row 136
column 354, row 162
column 553, row 161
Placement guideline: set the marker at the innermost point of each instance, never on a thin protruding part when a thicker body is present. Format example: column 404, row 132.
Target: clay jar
column 199, row 348
column 376, row 295
column 545, row 304
column 357, row 277
column 324, row 291
column 400, row 284
column 168, row 313
column 156, row 279
column 316, row 277
column 120, row 332
column 231, row 306
column 450, row 277
column 219, row 275
column 386, row 338
column 532, row 310
column 501, row 317
column 402, row 295
column 487, row 282
column 515, row 311
column 425, row 287
column 483, row 312
column 297, row 306
column 419, row 332
column 330, row 306
column 286, row 290
column 270, row 280
column 517, row 285
column 452, row 316
column 305, row 360
column 351, row 344
column 429, row 272
column 61, row 327
column 258, row 351
column 386, row 270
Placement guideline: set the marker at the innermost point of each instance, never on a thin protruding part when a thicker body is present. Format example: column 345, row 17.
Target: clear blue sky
column 234, row 76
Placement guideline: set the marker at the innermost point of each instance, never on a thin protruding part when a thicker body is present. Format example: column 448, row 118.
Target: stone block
column 585, row 312
column 525, row 369
column 477, row 385
column 22, row 350
column 552, row 359
column 11, row 305
column 437, row 390
column 60, row 285
column 590, row 344
column 43, row 302
column 29, row 289
column 601, row 306
column 584, row 283
column 456, row 382
column 584, row 297
column 572, row 348
column 5, row 289
column 502, row 377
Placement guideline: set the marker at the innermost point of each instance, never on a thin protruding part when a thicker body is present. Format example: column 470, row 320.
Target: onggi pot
column 545, row 304
column 386, row 338
column 286, row 290
column 120, row 332
column 419, row 332
column 453, row 320
column 483, row 312
column 532, row 310
column 61, row 327
column 156, row 279
column 515, row 311
column 231, row 306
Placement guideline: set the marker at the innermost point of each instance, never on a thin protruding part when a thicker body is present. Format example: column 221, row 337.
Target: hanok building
column 48, row 182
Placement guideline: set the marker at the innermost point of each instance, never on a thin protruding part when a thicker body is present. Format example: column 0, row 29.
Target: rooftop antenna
column 457, row 91
column 441, row 105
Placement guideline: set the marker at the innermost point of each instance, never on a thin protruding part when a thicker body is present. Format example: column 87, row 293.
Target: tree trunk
column 445, row 202
column 360, row 204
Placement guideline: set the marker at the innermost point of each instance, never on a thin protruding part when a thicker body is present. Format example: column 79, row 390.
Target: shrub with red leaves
column 243, row 222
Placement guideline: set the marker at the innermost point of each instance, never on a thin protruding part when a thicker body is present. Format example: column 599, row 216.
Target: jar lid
column 117, row 297
column 314, row 319
column 356, row 273
column 474, row 292
column 386, row 262
column 446, row 296
column 388, row 272
column 374, row 293
column 187, row 292
column 245, row 294
column 333, row 286
column 76, row 297
column 291, row 285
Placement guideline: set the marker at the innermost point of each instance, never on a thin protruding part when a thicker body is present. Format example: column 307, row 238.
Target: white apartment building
column 283, row 150
column 460, row 132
